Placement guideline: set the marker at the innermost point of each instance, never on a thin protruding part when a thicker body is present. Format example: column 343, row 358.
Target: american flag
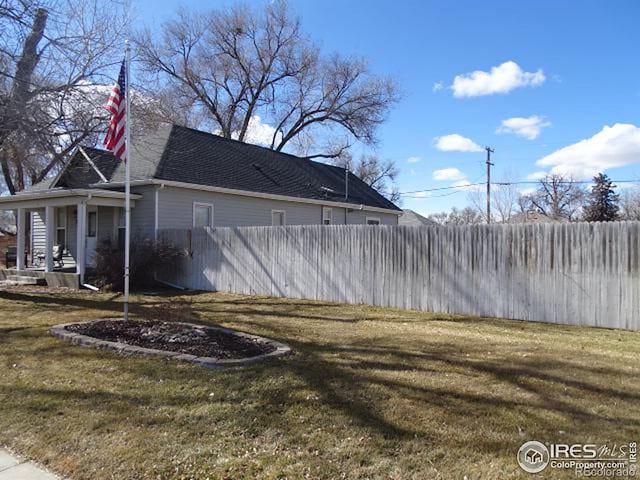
column 115, row 138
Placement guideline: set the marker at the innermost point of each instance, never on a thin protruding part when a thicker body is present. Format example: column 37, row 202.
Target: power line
column 503, row 184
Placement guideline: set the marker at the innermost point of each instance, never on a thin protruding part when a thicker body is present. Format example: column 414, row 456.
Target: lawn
column 369, row 393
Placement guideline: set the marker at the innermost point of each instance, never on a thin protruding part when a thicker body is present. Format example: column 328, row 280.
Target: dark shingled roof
column 185, row 155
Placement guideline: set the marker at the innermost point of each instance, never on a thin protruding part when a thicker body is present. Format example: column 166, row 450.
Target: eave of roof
column 248, row 193
column 28, row 199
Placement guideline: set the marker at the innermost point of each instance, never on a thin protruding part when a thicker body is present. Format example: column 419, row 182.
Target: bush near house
column 147, row 257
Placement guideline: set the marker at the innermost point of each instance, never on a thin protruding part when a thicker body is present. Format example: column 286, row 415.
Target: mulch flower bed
column 174, row 337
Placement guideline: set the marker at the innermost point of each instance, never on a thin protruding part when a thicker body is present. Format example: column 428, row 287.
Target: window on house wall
column 92, row 224
column 61, row 226
column 202, row 215
column 327, row 214
column 373, row 221
column 122, row 228
column 278, row 218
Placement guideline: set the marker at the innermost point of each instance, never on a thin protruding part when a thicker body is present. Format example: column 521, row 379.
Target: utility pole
column 489, row 165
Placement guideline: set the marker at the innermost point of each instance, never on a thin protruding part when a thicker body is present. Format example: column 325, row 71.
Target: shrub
column 146, row 258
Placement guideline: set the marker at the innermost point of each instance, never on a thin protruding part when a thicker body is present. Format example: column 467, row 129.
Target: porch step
column 24, row 280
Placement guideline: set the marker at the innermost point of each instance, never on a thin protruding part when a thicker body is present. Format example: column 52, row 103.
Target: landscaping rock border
column 61, row 332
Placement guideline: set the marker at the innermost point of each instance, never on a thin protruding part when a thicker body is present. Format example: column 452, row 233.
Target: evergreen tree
column 603, row 201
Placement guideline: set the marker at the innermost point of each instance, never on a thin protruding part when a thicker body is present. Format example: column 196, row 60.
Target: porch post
column 81, row 239
column 20, row 251
column 48, row 253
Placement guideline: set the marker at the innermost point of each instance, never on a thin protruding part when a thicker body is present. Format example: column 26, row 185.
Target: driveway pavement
column 12, row 468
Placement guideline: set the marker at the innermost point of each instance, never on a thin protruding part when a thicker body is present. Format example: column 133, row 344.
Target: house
column 183, row 178
column 534, row 217
column 409, row 218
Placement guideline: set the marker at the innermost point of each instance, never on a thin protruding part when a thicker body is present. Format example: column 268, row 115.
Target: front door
column 92, row 235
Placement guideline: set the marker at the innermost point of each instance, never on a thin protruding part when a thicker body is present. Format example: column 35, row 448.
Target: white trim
column 325, row 211
column 246, row 193
column 32, row 241
column 155, row 214
column 57, row 198
column 93, row 165
column 81, row 234
column 21, row 219
column 49, row 221
column 284, row 217
column 202, row 204
column 375, row 219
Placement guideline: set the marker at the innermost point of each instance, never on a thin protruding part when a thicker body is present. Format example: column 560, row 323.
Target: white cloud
column 412, row 171
column 537, row 175
column 611, row 147
column 437, row 86
column 448, row 174
column 501, row 79
column 527, row 127
column 456, row 143
column 528, row 191
column 413, row 159
column 258, row 133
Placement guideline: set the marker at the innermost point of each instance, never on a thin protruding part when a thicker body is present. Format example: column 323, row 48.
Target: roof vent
column 327, row 189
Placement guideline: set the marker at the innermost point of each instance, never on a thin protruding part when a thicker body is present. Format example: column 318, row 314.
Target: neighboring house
column 534, row 217
column 183, row 178
column 410, row 218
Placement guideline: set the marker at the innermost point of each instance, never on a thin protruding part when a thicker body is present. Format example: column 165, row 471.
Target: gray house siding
column 175, row 210
column 359, row 217
column 106, row 225
column 175, row 207
column 143, row 214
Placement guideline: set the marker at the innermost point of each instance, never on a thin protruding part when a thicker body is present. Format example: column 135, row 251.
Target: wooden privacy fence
column 578, row 274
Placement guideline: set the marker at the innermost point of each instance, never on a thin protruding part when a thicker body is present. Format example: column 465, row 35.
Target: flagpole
column 127, row 205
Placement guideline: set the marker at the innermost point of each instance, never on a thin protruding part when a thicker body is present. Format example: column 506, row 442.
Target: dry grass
column 370, row 393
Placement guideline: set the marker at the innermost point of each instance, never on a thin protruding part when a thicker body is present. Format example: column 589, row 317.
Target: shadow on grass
column 380, row 386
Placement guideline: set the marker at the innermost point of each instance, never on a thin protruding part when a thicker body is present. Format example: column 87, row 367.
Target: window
column 92, row 224
column 327, row 213
column 278, row 218
column 122, row 228
column 202, row 215
column 61, row 226
column 373, row 221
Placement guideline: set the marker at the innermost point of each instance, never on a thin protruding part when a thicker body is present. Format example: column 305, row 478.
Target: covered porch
column 58, row 231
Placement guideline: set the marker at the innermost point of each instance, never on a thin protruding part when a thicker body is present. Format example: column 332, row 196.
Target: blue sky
column 573, row 69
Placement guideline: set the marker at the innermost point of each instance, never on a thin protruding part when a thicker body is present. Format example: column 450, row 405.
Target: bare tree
column 504, row 199
column 234, row 65
column 379, row 174
column 52, row 54
column 557, row 197
column 630, row 205
column 465, row 216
